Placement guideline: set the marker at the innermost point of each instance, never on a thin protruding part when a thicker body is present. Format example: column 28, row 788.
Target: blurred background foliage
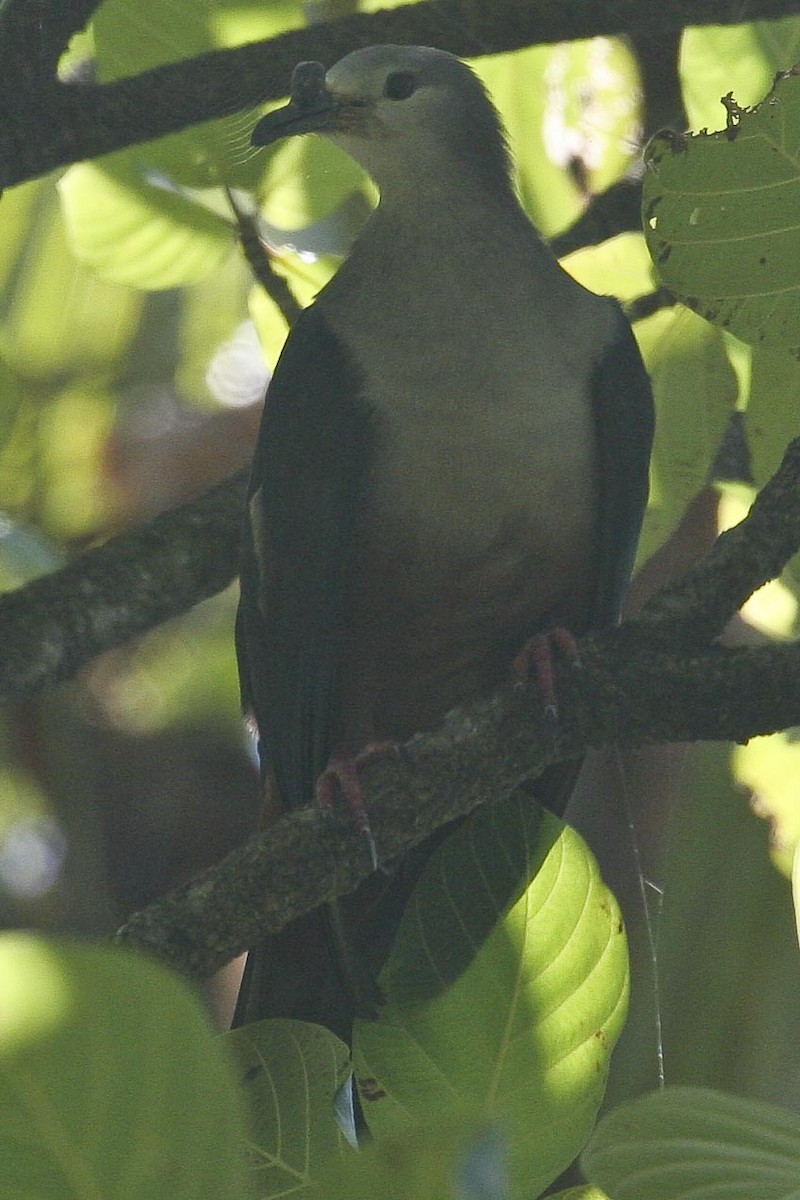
column 134, row 351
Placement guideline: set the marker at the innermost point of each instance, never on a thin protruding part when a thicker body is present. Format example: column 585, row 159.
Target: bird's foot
column 536, row 659
column 340, row 778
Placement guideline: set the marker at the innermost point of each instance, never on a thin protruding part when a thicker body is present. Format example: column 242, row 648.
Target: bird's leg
column 536, row 658
column 340, row 777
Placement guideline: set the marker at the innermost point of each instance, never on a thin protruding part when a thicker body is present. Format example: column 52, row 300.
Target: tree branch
column 696, row 608
column 56, row 624
column 648, row 681
column 45, row 123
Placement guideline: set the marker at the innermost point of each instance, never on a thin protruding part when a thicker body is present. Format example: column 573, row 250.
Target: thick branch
column 626, row 695
column 616, row 210
column 635, row 688
column 45, row 124
column 55, row 625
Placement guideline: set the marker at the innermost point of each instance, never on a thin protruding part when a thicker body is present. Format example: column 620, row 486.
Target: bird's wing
column 308, row 473
column 623, row 411
column 622, row 404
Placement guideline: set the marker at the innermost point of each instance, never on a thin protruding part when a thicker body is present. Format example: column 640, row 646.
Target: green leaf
column 59, row 319
column 721, row 220
column 580, row 1193
column 305, row 279
column 695, row 391
column 620, row 266
column 523, row 1036
column 18, row 213
column 471, row 882
column 572, row 104
column 769, row 767
column 132, row 232
column 11, row 399
column 694, row 385
column 307, row 179
column 112, row 1082
column 715, row 60
column 451, row 1160
column 292, row 1072
column 772, row 417
column 796, row 889
column 685, row 1143
column 130, row 38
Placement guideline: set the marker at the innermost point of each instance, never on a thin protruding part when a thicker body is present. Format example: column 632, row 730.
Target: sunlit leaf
column 620, row 266
column 112, row 1082
column 772, row 417
column 458, row 1159
column 687, row 1143
column 72, row 434
column 130, row 38
column 468, row 886
column 59, row 318
column 721, row 219
column 770, row 768
column 291, row 1072
column 695, row 392
column 130, row 231
column 743, row 59
column 305, row 279
column 580, row 1193
column 564, row 107
column 524, row 1034
column 307, row 179
column 694, row 385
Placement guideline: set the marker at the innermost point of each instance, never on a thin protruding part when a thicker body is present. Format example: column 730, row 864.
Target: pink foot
column 536, row 657
column 340, row 777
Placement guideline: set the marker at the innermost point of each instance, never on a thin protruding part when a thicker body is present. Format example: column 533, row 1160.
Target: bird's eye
column 399, row 85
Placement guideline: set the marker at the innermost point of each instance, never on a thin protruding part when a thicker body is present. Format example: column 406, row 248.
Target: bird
column 452, row 461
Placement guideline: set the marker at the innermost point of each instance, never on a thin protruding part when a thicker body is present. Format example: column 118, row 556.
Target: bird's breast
column 476, row 526
column 482, row 424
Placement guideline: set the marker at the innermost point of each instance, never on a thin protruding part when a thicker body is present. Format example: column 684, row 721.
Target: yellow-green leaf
column 130, row 38
column 112, row 1082
column 744, row 58
column 683, row 1143
column 291, row 1072
column 722, row 219
column 133, row 232
column 523, row 1035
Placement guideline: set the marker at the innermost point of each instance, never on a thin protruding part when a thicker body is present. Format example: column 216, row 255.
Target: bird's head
column 402, row 112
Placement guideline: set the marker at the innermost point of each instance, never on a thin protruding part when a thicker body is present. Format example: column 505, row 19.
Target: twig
column 260, row 262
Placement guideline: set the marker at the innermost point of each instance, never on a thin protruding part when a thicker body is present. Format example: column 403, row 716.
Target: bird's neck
column 460, row 228
column 445, row 200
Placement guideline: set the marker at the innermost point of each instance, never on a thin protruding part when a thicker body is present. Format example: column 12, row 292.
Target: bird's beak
column 311, row 108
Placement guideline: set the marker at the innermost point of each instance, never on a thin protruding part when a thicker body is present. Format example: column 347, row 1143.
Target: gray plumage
column 453, row 457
